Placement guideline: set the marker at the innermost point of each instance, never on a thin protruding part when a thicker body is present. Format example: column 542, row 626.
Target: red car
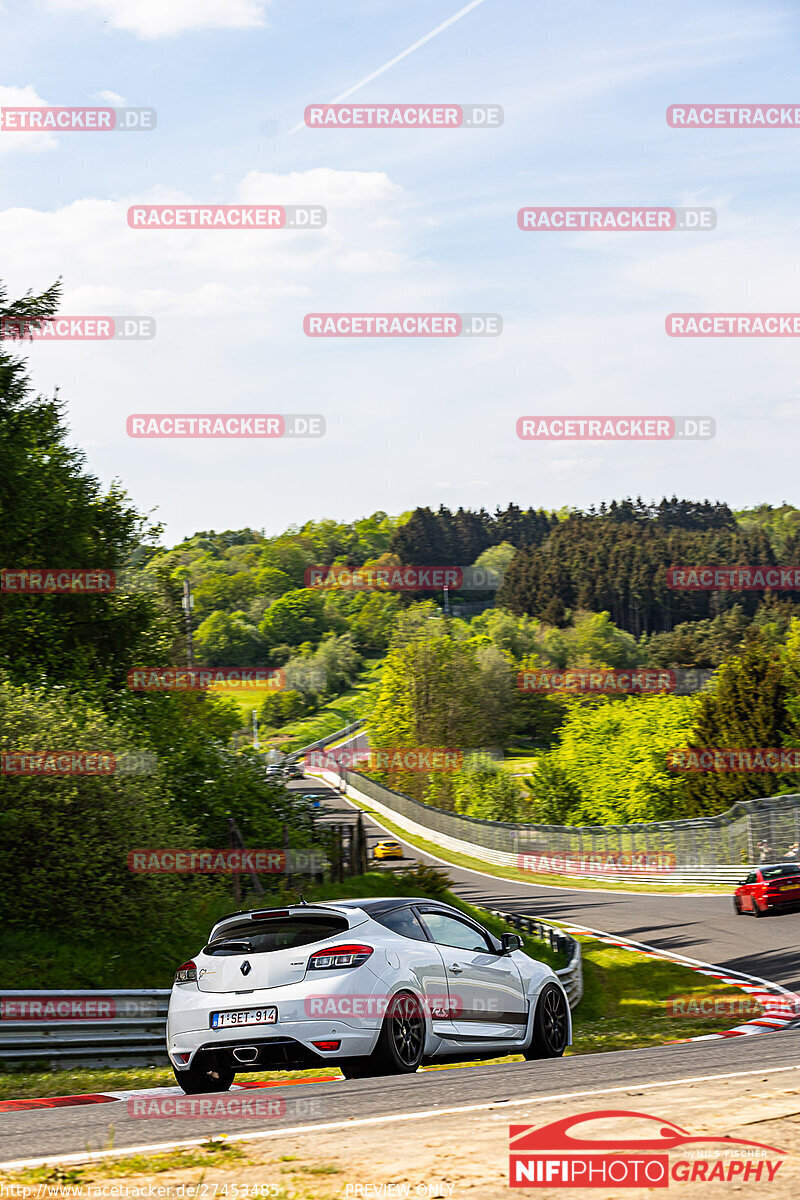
column 768, row 888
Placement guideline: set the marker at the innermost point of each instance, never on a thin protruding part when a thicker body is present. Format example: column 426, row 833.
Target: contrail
column 462, row 12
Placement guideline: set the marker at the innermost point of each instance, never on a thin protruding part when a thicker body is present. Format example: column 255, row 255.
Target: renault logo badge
column 245, row 968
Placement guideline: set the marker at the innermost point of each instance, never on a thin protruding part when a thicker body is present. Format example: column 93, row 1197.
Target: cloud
column 249, row 275
column 163, row 18
column 17, row 140
column 109, row 98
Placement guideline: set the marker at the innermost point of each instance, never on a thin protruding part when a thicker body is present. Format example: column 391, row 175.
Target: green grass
column 49, row 958
column 247, row 698
column 332, row 716
column 455, row 859
column 341, row 711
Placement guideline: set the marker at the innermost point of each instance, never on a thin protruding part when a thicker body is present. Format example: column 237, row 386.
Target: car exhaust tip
column 245, row 1054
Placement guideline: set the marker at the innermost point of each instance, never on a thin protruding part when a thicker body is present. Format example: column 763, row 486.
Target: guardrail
column 321, row 743
column 127, row 1027
column 126, row 1030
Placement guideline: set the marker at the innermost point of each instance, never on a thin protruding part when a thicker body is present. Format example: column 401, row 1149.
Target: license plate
column 244, row 1016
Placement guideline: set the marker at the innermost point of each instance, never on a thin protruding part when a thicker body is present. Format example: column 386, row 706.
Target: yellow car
column 388, row 850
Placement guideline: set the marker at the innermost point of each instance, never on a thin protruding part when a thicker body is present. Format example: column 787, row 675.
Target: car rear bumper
column 782, row 902
column 290, row 1046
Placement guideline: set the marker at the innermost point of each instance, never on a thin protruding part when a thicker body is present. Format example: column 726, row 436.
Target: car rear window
column 777, row 872
column 279, row 933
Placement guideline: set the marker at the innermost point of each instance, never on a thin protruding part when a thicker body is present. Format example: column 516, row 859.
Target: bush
column 66, row 839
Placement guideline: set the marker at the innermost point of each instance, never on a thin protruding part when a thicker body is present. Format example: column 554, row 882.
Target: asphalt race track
column 63, row 1131
column 702, row 927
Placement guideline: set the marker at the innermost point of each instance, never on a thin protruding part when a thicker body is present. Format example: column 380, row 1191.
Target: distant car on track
column 373, row 986
column 388, row 849
column 769, row 889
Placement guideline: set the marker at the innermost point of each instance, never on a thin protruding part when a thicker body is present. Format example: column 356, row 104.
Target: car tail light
column 186, row 973
column 336, row 957
column 272, row 912
column 327, row 1045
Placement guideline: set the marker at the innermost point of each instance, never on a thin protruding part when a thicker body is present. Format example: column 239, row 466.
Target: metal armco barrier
column 325, row 741
column 130, row 1032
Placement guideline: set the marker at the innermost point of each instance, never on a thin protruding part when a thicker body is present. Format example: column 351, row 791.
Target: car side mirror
column 511, row 942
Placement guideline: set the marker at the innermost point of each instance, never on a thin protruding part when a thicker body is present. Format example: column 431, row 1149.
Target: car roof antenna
column 303, row 902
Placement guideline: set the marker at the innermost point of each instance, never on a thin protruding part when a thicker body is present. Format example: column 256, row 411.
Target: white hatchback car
column 374, row 987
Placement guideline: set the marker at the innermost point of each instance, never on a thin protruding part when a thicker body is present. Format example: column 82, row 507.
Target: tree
column 228, row 640
column 594, row 640
column 496, row 558
column 438, row 691
column 747, row 709
column 53, row 513
column 612, row 760
column 295, row 617
column 488, row 792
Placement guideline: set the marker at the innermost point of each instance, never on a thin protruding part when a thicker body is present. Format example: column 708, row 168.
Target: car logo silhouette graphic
column 245, row 968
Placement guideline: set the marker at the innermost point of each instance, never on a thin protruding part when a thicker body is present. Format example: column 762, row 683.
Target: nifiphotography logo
column 631, row 1149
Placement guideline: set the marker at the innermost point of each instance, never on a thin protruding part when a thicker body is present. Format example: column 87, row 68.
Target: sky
column 418, row 220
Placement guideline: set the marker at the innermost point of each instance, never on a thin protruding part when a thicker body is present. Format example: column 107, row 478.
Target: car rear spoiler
column 289, row 910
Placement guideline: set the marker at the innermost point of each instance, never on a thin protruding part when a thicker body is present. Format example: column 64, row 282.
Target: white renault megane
column 374, row 987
